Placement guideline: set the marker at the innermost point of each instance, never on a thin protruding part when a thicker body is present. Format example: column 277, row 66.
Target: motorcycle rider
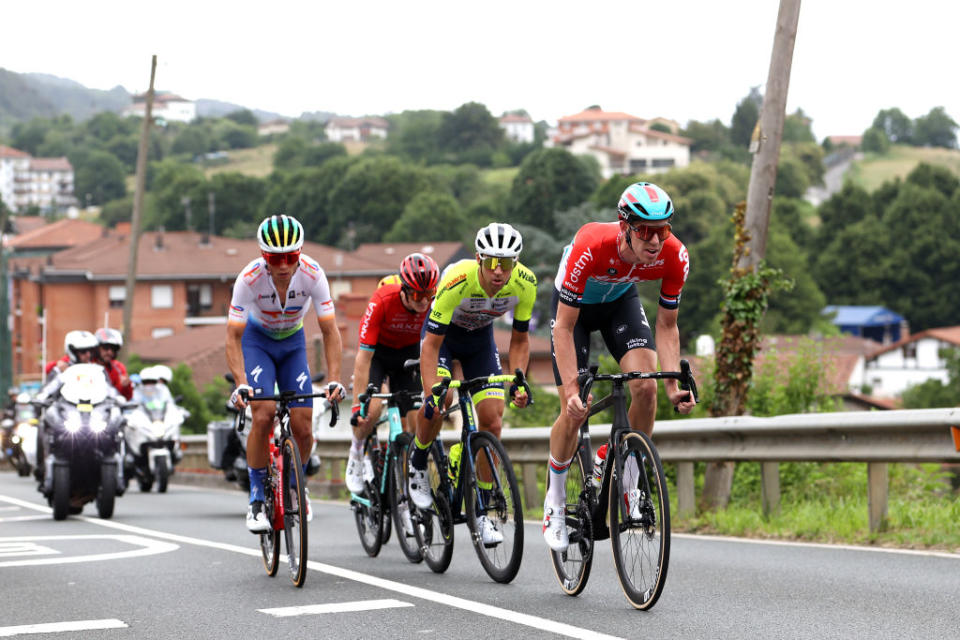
column 79, row 347
column 110, row 341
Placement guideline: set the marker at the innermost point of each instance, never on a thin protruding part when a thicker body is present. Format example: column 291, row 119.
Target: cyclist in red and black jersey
column 595, row 291
column 389, row 335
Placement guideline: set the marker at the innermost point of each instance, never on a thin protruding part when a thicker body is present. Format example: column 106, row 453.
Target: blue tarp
column 874, row 322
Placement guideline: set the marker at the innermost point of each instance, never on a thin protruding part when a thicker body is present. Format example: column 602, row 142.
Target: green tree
column 707, row 136
column 182, row 386
column 243, row 116
column 105, row 126
column 125, row 147
column 99, row 174
column 795, row 311
column 792, row 180
column 230, row 135
column 316, row 154
column 28, row 136
column 430, row 216
column 875, row 141
column 745, row 118
column 934, row 393
column 196, row 139
column 548, row 180
column 936, row 129
column 173, row 182
column 796, row 128
column 934, row 177
column 896, row 126
column 237, row 198
column 416, row 135
column 289, row 153
column 470, row 133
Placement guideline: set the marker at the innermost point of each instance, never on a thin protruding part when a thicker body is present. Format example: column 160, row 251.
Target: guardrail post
column 686, row 493
column 531, row 491
column 877, row 489
column 770, row 487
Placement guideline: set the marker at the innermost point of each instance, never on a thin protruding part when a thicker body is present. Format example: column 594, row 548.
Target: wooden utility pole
column 138, row 207
column 741, row 341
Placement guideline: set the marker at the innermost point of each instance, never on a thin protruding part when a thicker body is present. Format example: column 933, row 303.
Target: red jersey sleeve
column 677, row 268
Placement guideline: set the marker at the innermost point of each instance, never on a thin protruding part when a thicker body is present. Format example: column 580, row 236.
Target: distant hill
column 207, row 108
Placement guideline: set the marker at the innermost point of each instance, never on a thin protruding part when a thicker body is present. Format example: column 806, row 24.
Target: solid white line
column 147, row 547
column 497, row 613
column 22, row 518
column 335, row 607
column 57, row 627
column 819, row 545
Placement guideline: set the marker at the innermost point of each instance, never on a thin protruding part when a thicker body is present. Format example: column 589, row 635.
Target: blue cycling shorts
column 283, row 363
column 477, row 352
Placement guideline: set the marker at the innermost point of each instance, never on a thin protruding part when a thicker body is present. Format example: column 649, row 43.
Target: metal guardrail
column 876, row 438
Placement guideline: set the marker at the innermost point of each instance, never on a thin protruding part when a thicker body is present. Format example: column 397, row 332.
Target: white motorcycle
column 20, row 435
column 152, row 434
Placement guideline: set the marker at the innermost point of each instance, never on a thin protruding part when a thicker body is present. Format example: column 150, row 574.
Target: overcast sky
column 680, row 59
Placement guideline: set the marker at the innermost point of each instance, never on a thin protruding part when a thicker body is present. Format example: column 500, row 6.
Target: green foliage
column 745, row 118
column 796, row 128
column 415, row 135
column 795, row 383
column 549, row 180
column 469, row 134
column 243, row 116
column 707, row 136
column 191, row 400
column 792, row 180
column 875, row 141
column 172, row 182
column 99, row 174
column 430, row 217
column 895, row 126
column 936, row 129
column 237, row 198
column 295, row 153
column 934, row 393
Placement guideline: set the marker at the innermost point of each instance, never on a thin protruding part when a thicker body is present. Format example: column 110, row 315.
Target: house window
column 161, row 296
column 637, row 164
column 199, row 298
column 339, row 287
column 118, row 293
column 659, row 163
column 161, row 332
column 910, row 350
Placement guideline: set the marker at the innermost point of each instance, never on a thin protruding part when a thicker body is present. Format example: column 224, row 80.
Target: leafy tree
column 415, row 134
column 896, row 126
column 99, row 174
column 315, row 155
column 792, row 180
column 195, row 139
column 810, row 154
column 243, row 116
column 745, row 118
column 797, row 310
column 28, row 136
column 661, row 127
column 936, row 129
column 796, row 128
column 846, row 207
column 934, row 393
column 789, row 215
column 463, row 181
column 934, row 177
column 230, row 135
column 850, row 266
column 470, row 132
column 173, row 182
column 237, row 198
column 182, row 385
column 289, row 153
column 707, row 136
column 875, row 141
column 106, row 125
column 548, row 180
column 430, row 216
column 125, row 147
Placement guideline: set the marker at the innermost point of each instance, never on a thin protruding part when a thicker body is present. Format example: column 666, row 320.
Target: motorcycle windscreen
column 84, row 383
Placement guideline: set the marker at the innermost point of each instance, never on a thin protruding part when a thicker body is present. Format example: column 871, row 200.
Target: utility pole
column 212, row 209
column 138, row 207
column 6, row 340
column 185, row 201
column 739, row 340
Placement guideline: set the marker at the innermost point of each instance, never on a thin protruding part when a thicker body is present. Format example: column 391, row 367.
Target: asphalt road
column 181, row 565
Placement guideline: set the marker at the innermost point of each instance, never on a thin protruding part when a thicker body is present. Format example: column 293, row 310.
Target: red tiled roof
column 50, row 164
column 593, row 115
column 653, row 133
column 950, row 335
column 62, row 233
column 512, row 117
column 389, row 254
column 853, row 141
column 10, row 152
column 25, row 224
column 358, row 122
column 609, row 150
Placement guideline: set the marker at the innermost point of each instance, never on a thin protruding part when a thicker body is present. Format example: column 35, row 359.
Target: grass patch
column 875, row 169
column 257, row 162
column 499, row 177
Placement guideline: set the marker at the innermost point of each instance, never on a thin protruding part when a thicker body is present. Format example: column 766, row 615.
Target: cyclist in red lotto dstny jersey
column 596, row 291
column 389, row 336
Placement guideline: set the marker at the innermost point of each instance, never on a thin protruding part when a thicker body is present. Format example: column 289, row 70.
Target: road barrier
column 876, row 438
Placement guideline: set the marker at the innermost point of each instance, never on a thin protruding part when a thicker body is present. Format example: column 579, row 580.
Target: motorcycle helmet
column 76, row 341
column 163, row 373
column 107, row 336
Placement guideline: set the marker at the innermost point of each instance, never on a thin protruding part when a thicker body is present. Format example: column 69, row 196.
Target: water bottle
column 453, row 461
column 598, row 462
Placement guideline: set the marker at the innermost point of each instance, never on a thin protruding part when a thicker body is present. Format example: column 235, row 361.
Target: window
column 637, row 164
column 118, row 293
column 161, row 296
column 662, row 162
column 199, row 298
column 161, row 332
column 910, row 350
column 339, row 287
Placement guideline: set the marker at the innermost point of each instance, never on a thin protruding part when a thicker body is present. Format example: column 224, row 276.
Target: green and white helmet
column 280, row 234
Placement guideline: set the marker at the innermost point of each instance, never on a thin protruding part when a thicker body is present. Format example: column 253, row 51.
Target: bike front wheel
column 572, row 566
column 399, row 500
column 433, row 527
column 270, row 541
column 369, row 516
column 294, row 510
column 494, row 508
column 639, row 520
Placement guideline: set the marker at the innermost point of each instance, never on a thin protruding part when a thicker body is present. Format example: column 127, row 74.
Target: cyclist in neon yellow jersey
column 470, row 296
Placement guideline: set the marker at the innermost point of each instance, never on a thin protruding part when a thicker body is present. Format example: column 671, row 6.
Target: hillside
column 20, row 99
column 873, row 170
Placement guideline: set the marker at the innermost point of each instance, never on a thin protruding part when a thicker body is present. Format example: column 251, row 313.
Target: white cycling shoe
column 418, row 486
column 489, row 535
column 405, row 519
column 633, row 500
column 353, row 477
column 555, row 527
column 257, row 521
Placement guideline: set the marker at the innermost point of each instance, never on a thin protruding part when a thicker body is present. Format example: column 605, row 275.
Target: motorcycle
column 20, row 435
column 227, row 450
column 152, row 436
column 82, row 440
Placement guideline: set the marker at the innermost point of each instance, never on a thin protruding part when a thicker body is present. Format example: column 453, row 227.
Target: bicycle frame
column 393, row 419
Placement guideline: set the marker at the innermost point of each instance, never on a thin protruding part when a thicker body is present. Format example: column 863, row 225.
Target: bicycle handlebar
column 440, row 389
column 684, row 376
column 372, row 393
column 285, row 398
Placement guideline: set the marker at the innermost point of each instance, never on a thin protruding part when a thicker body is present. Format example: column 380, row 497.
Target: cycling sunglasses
column 280, row 259
column 417, row 296
column 645, row 232
column 504, row 263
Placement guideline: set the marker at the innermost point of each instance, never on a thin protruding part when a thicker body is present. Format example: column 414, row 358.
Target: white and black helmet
column 499, row 240
column 76, row 341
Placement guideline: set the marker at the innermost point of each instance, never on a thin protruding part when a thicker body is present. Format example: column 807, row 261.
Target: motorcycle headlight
column 72, row 422
column 98, row 423
column 159, row 429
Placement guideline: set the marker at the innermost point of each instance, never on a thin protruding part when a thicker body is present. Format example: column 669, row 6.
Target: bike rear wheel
column 270, row 541
column 399, row 501
column 641, row 539
column 433, row 527
column 572, row 567
column 294, row 510
column 369, row 518
column 498, row 499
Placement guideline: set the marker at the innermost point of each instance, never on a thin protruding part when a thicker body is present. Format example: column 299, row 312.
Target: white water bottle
column 598, row 462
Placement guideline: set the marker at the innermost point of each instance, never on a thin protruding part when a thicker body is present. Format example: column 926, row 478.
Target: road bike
column 477, row 479
column 285, row 488
column 384, row 498
column 630, row 506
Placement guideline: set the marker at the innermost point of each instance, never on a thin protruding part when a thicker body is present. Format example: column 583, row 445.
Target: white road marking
column 497, row 613
column 58, row 627
column 14, row 549
column 146, row 547
column 22, row 518
column 9, row 508
column 820, row 545
column 335, row 607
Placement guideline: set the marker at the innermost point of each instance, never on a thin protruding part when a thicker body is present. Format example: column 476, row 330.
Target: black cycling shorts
column 387, row 363
column 622, row 323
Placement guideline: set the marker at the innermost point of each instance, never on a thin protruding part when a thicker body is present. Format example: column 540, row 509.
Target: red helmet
column 419, row 272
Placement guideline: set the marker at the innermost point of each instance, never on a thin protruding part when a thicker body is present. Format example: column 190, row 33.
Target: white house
column 167, row 107
column 26, row 181
column 517, row 128
column 890, row 370
column 273, row 127
column 357, row 129
column 621, row 143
